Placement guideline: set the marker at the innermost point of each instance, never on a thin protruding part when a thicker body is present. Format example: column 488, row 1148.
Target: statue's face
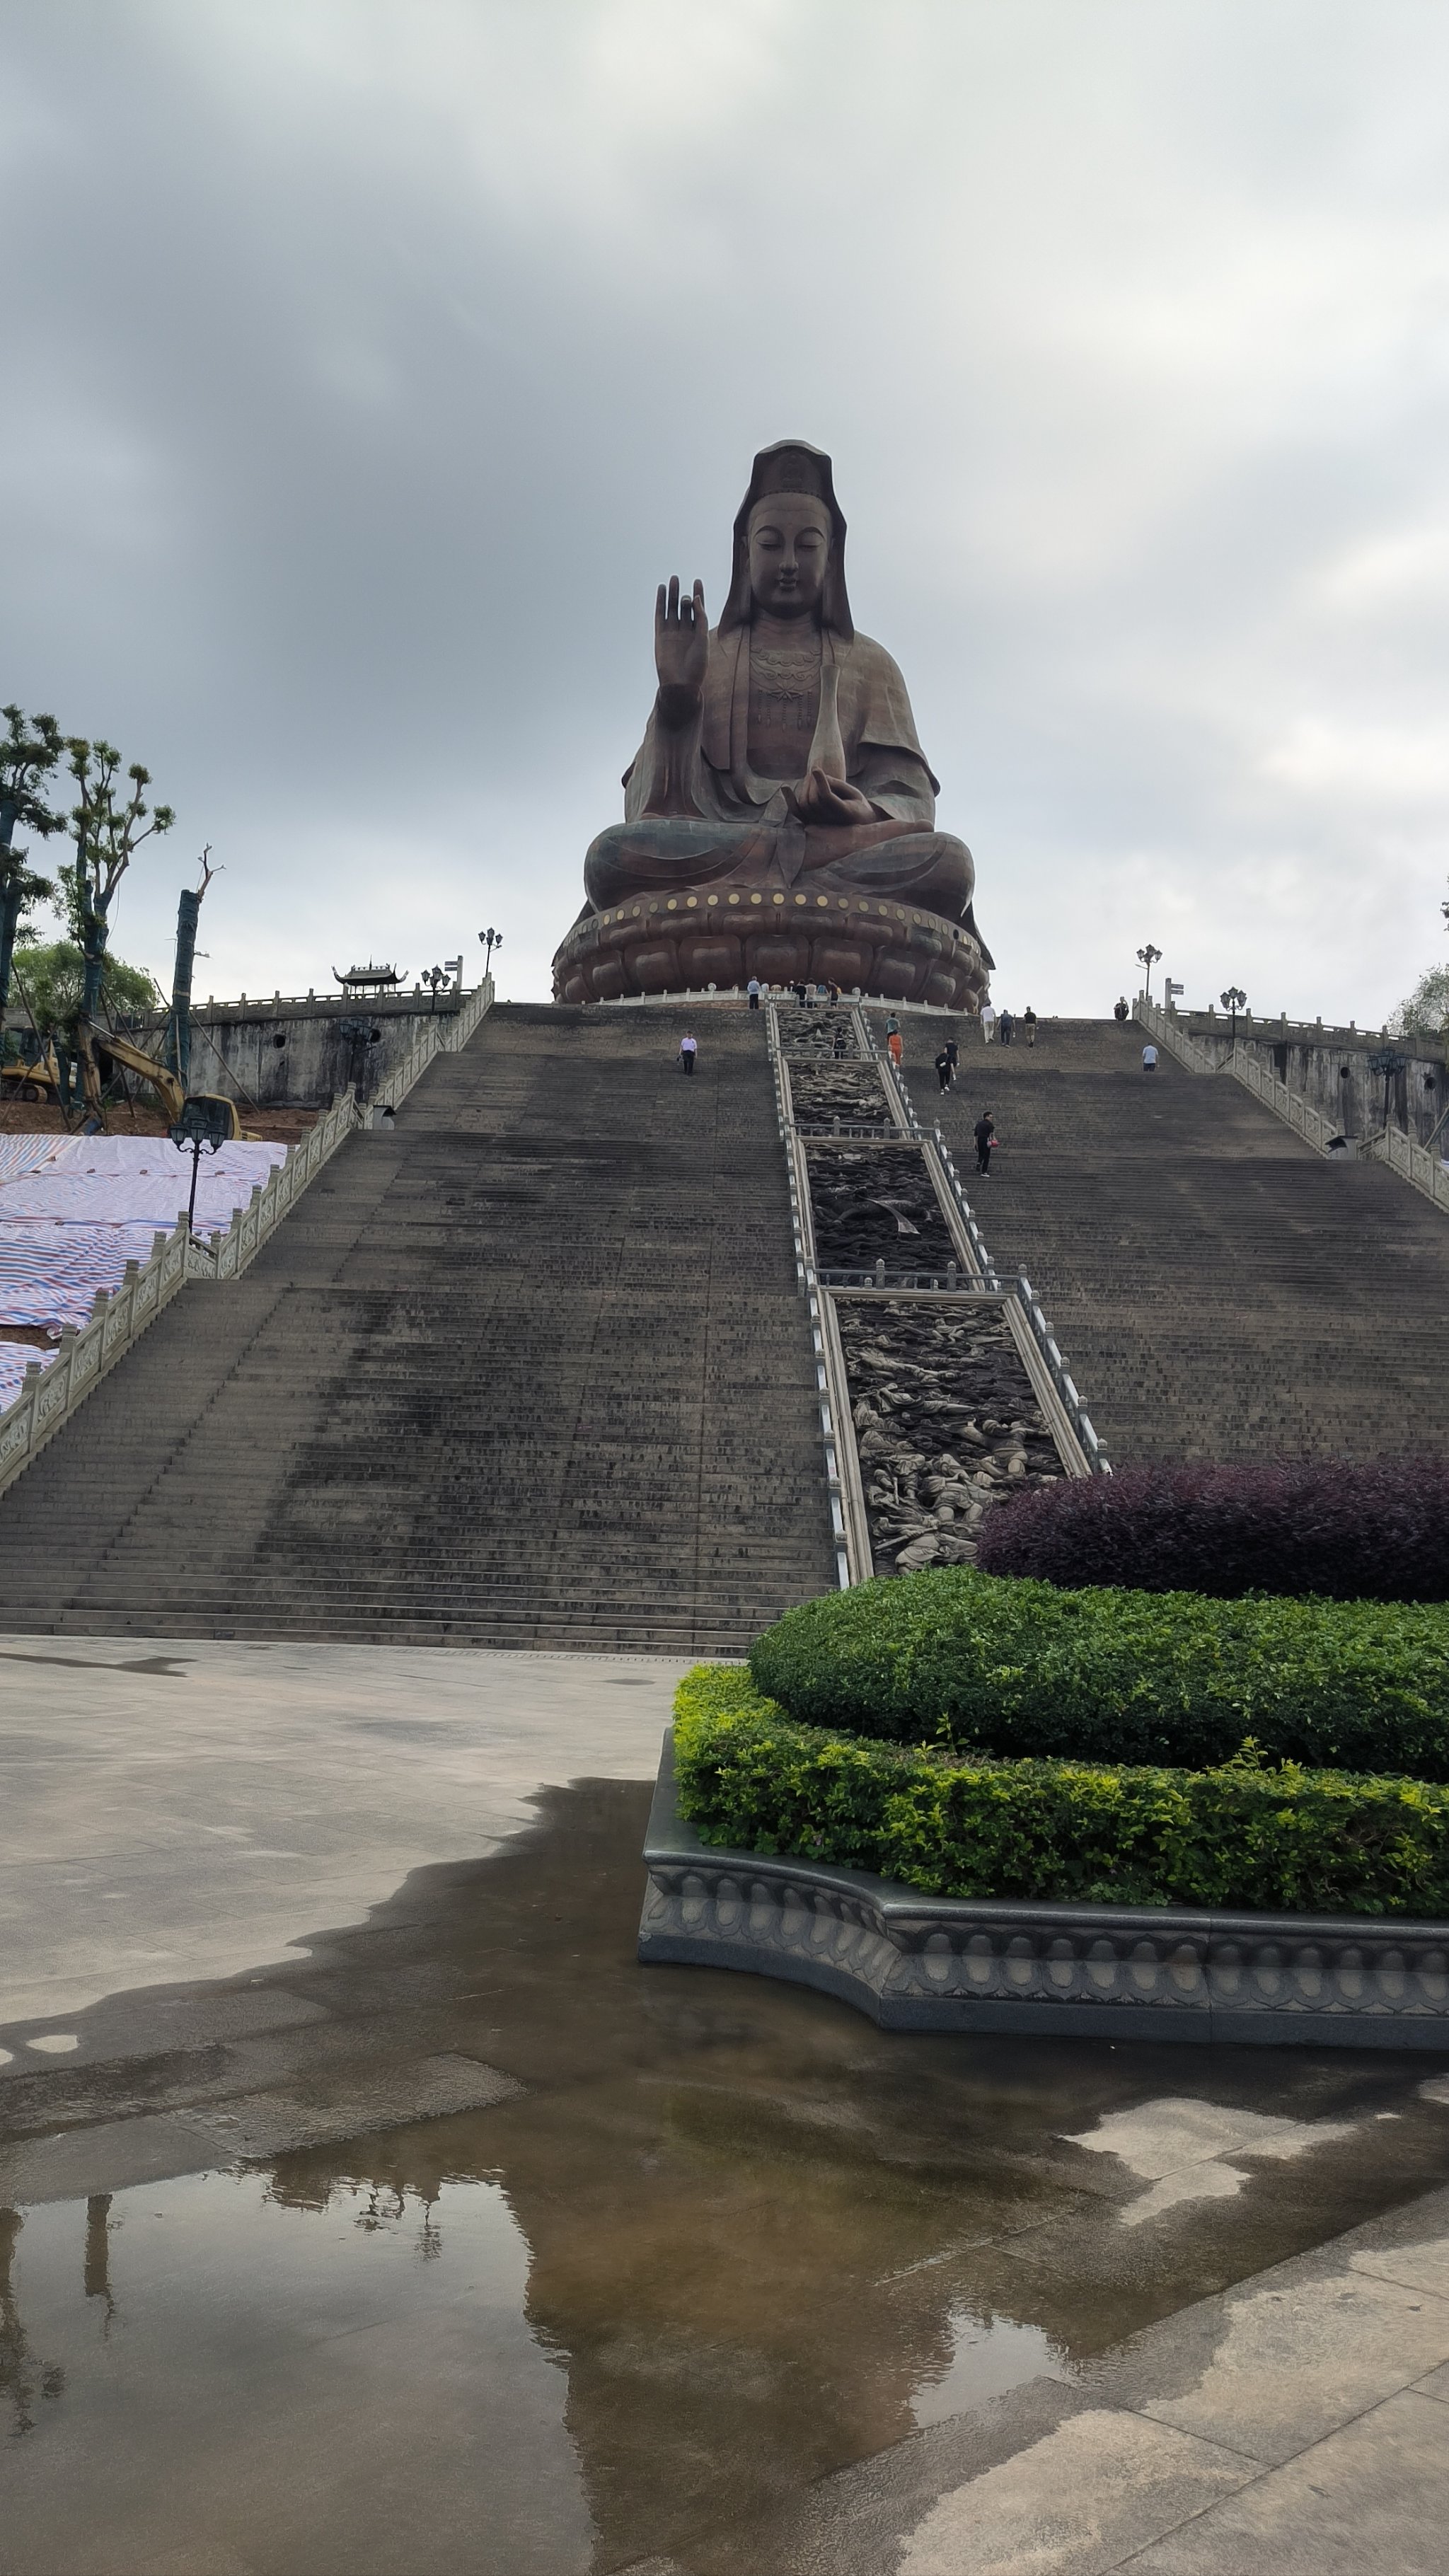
column 789, row 551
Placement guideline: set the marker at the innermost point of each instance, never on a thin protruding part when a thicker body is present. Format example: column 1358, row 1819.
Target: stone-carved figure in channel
column 780, row 818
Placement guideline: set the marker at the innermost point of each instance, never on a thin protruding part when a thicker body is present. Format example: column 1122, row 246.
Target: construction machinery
column 103, row 1050
column 34, row 1074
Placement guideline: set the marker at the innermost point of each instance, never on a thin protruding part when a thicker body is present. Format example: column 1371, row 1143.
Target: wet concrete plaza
column 404, row 2223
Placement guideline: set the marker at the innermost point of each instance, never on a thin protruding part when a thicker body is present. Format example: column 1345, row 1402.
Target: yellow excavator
column 37, row 1077
column 99, row 1045
column 34, row 1076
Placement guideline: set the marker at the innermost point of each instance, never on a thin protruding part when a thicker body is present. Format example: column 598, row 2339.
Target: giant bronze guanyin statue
column 780, row 819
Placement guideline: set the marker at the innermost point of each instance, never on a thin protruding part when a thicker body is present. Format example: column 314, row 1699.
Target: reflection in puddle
column 988, row 2356
column 352, row 2336
column 721, row 2239
column 344, row 2379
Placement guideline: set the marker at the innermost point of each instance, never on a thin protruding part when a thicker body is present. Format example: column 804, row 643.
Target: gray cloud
column 370, row 363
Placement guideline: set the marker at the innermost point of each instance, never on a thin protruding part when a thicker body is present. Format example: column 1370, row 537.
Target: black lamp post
column 1234, row 1000
column 1148, row 957
column 204, row 1125
column 1388, row 1062
column 488, row 940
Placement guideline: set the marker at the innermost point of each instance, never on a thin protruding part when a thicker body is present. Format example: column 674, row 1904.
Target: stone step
column 537, row 1356
column 1217, row 1288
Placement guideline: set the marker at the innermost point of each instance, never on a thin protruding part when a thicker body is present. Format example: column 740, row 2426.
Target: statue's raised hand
column 681, row 650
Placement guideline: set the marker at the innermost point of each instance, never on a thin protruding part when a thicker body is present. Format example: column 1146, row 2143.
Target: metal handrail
column 1040, row 1340
column 832, row 1395
column 947, row 1276
column 850, row 1127
column 974, row 1276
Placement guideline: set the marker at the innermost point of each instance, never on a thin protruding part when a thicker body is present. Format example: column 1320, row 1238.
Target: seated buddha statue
column 780, row 819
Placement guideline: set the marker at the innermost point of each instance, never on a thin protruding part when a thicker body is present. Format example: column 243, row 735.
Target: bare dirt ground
column 39, row 1118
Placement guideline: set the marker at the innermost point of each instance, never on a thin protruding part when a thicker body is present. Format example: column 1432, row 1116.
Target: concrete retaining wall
column 296, row 1054
column 299, row 1051
column 1329, row 1069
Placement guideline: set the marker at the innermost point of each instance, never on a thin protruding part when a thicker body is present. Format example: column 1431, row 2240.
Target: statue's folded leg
column 930, row 868
column 657, row 853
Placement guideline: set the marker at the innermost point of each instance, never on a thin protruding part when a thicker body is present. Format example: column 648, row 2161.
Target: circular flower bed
column 976, row 1736
column 962, row 1658
column 1276, row 1837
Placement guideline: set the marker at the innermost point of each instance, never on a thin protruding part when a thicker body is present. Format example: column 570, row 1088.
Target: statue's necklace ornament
column 779, row 674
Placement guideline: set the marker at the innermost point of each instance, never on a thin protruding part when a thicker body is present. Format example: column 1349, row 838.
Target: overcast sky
column 369, row 361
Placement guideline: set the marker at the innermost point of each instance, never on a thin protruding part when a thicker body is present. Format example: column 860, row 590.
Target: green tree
column 108, row 826
column 30, row 750
column 52, row 975
column 1425, row 1013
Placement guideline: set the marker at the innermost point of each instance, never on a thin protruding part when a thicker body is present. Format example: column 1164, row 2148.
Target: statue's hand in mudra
column 681, row 650
column 819, row 799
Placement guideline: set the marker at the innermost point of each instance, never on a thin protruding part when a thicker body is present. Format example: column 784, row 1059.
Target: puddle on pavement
column 726, row 2240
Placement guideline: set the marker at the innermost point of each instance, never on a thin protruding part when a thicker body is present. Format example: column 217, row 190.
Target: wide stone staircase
column 1219, row 1290
column 530, row 1370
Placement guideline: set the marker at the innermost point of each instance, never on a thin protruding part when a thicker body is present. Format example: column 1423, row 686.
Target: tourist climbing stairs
column 1224, row 1291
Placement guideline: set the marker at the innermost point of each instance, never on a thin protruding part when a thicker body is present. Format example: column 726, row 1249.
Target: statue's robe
column 697, row 813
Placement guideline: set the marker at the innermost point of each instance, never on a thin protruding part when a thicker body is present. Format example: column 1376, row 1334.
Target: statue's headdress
column 791, row 466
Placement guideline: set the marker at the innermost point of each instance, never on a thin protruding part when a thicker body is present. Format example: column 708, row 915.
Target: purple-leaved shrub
column 1347, row 1533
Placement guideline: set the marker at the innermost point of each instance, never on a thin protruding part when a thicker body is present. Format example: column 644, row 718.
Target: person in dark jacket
column 985, row 1134
column 943, row 1068
column 1004, row 1026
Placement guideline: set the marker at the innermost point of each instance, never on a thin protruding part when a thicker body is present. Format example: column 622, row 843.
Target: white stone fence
column 1412, row 1163
column 49, row 1396
column 1390, row 1145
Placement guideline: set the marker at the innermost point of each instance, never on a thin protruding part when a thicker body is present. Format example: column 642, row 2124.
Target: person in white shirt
column 753, row 989
column 688, row 1049
column 988, row 1022
column 1149, row 1058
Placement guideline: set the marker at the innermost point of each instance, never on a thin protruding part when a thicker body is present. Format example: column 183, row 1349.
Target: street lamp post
column 1234, row 1000
column 488, row 940
column 205, row 1126
column 1148, row 957
column 1388, row 1062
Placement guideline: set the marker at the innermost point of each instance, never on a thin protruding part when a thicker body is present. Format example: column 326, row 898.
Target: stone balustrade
column 1423, row 1084
column 49, row 1396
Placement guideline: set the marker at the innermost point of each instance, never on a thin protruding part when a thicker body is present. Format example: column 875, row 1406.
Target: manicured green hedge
column 1017, row 1667
column 1242, row 1834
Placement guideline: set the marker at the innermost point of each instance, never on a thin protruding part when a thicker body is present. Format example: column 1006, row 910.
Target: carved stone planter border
column 921, row 1963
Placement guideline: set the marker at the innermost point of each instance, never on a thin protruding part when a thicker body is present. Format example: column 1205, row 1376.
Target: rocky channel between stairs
column 849, row 1090
column 874, row 1202
column 946, row 1426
